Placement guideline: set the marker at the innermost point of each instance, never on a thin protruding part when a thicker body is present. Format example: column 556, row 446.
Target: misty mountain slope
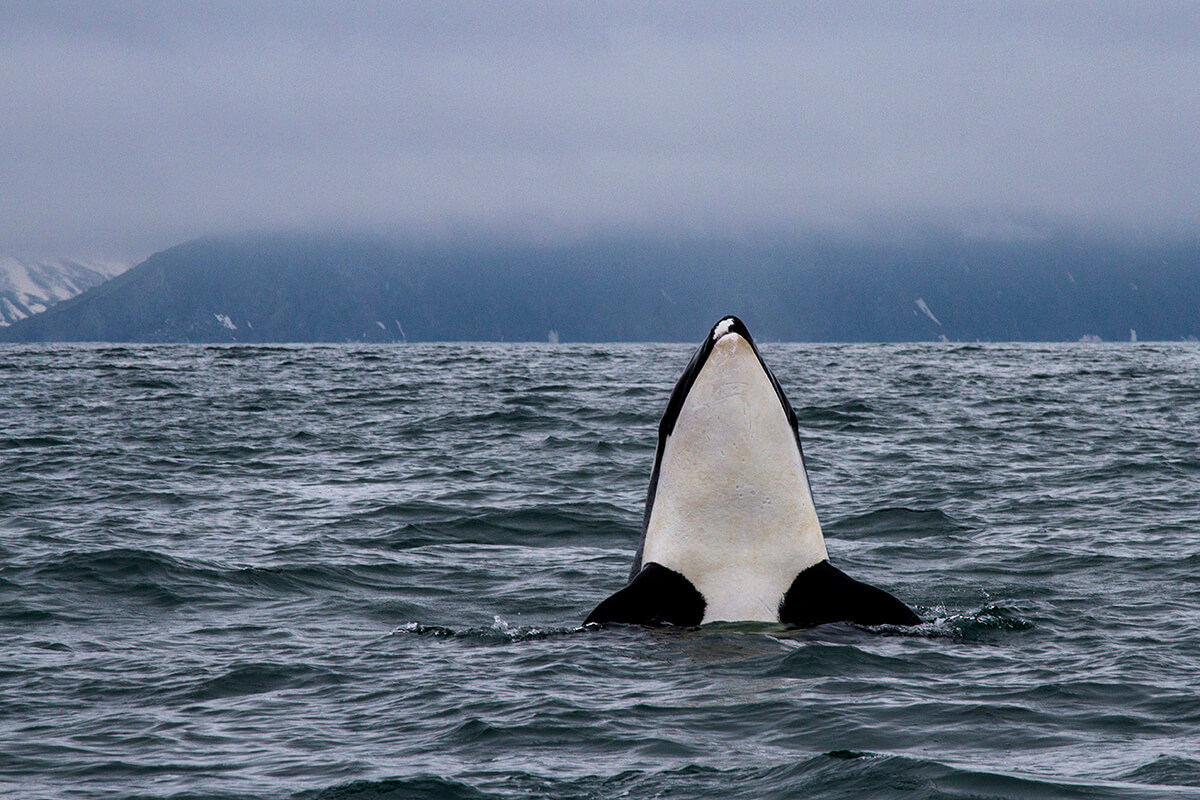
column 30, row 287
column 274, row 288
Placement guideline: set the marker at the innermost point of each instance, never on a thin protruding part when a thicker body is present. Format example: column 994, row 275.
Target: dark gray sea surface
column 360, row 572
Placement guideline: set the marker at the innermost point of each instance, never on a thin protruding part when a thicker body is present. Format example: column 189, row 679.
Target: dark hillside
column 272, row 288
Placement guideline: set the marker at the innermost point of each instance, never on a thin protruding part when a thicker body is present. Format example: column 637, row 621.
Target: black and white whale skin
column 730, row 531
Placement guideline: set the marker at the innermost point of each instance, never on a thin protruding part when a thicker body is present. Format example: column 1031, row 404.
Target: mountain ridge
column 326, row 288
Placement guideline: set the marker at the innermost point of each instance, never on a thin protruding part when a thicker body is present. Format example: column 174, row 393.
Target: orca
column 730, row 531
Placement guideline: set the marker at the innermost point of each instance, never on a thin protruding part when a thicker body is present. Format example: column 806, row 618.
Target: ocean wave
column 1167, row 770
column 833, row 775
column 847, row 415
column 981, row 625
column 896, row 522
column 419, row 788
column 259, row 677
column 33, row 442
column 500, row 631
column 161, row 579
column 534, row 524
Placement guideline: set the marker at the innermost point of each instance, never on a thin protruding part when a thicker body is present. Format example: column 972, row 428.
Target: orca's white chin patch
column 732, row 511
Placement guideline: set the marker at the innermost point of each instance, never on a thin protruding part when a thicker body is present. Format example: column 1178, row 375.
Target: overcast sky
column 126, row 127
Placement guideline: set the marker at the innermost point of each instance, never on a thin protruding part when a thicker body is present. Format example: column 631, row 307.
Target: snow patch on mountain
column 924, row 307
column 30, row 287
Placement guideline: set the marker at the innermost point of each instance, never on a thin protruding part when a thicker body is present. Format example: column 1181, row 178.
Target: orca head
column 729, row 505
column 736, row 348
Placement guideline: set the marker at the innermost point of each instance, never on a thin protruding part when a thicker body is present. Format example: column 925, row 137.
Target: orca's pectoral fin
column 823, row 593
column 656, row 596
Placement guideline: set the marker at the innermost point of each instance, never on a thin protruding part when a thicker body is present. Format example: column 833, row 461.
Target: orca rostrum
column 730, row 532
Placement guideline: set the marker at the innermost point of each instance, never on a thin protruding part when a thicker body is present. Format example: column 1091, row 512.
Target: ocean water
column 359, row 572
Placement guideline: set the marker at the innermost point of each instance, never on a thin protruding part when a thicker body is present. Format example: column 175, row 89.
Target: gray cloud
column 128, row 127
